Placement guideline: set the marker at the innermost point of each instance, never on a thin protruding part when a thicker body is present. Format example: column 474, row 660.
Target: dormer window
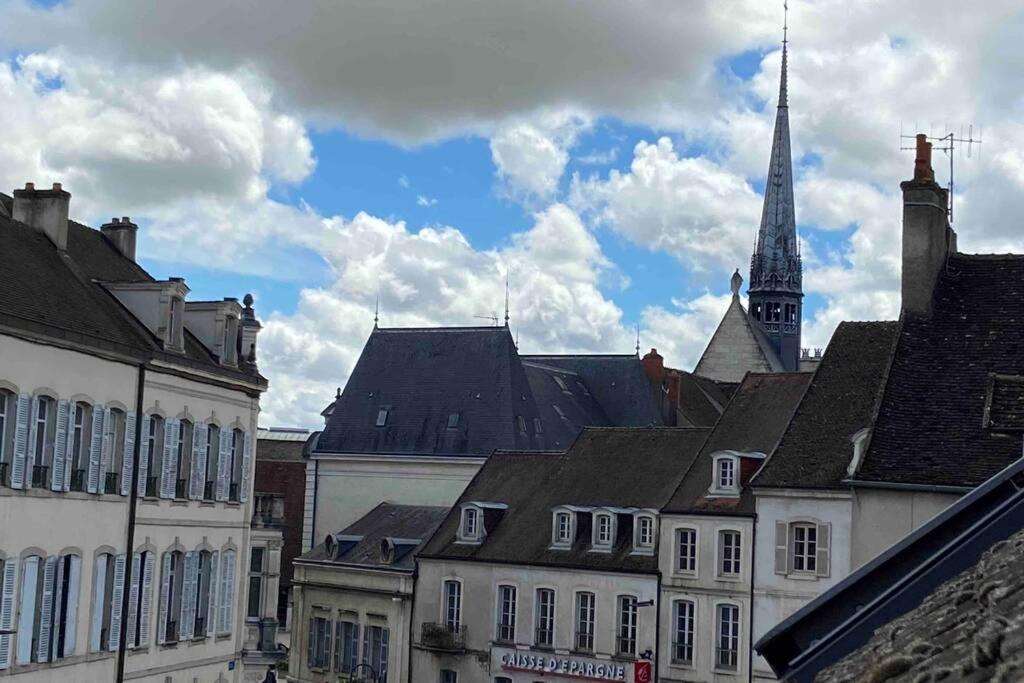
column 559, row 411
column 471, row 527
column 725, row 479
column 643, row 538
column 604, row 531
column 562, row 529
column 453, row 420
column 382, row 416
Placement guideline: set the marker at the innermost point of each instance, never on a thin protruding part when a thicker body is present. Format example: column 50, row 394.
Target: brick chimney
column 121, row 232
column 44, row 210
column 927, row 237
column 654, row 366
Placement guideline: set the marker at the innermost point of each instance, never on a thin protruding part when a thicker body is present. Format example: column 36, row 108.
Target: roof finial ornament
column 376, row 312
column 783, row 95
column 506, row 296
column 736, row 282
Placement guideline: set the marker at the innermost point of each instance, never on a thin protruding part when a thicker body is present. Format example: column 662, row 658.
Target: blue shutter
column 93, row 484
column 197, row 479
column 60, row 446
column 18, row 466
column 127, row 459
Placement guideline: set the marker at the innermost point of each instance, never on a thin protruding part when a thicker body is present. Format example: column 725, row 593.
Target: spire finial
column 736, row 282
column 638, row 339
column 376, row 312
column 506, row 297
column 783, row 95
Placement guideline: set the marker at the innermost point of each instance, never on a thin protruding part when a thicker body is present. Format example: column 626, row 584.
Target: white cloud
column 423, row 200
column 530, row 156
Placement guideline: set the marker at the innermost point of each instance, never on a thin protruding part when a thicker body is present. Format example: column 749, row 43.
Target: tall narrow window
column 563, row 528
column 545, row 611
column 212, row 448
column 28, row 613
column 382, row 417
column 170, row 596
column 729, row 550
column 726, row 473
column 603, row 534
column 237, row 443
column 42, row 447
column 452, row 605
column 683, row 628
column 183, row 456
column 805, row 547
column 81, row 434
column 256, row 560
column 375, row 650
column 727, row 642
column 470, row 524
column 346, row 646
column 626, row 640
column 449, row 676
column 585, row 606
column 7, row 403
column 204, row 584
column 686, row 542
column 64, row 612
column 645, row 532
column 506, row 631
column 154, row 454
column 113, row 433
column 319, row 643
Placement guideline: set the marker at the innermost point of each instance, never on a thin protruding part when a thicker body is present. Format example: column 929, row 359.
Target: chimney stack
column 122, row 233
column 44, row 210
column 927, row 237
column 654, row 366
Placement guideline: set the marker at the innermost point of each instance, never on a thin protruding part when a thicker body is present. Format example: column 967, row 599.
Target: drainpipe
column 750, row 620
column 133, row 497
column 657, row 628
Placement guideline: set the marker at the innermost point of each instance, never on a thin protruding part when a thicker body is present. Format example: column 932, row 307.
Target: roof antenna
column 506, row 297
column 638, row 340
column 947, row 144
column 376, row 312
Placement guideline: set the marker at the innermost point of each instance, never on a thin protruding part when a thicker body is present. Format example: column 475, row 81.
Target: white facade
column 881, row 517
column 64, row 509
column 700, row 591
column 468, row 641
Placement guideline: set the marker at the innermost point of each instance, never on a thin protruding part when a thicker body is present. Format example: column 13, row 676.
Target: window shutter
column 211, row 605
column 246, row 463
column 69, row 447
column 58, row 597
column 8, row 581
column 128, row 458
column 147, row 599
column 116, row 597
column 188, row 596
column 224, row 464
column 133, row 600
column 165, row 592
column 200, row 434
column 95, row 450
column 71, row 612
column 108, row 448
column 46, row 610
column 312, row 640
column 366, row 646
column 99, row 584
column 144, row 456
column 30, row 452
column 781, row 548
column 227, row 592
column 20, row 441
column 26, row 610
column 824, row 549
column 168, row 469
column 60, row 446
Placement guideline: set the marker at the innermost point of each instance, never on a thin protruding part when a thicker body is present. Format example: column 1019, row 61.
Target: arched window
column 113, row 434
column 48, row 610
column 206, row 576
column 153, row 446
column 683, row 617
column 183, row 458
column 727, row 636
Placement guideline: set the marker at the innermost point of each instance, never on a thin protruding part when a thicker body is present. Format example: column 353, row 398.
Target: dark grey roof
column 931, row 423
column 410, row 525
column 753, row 422
column 423, row 376
column 701, row 399
column 942, row 604
column 816, row 448
column 58, row 294
column 1004, row 411
column 605, row 467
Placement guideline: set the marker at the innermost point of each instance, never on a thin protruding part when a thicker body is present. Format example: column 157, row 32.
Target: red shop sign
column 642, row 672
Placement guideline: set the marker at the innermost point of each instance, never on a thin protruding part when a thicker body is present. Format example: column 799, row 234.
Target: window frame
column 557, row 539
column 588, row 633
column 726, row 464
column 451, row 624
column 626, row 631
column 596, row 541
column 694, row 559
column 544, row 612
column 471, row 522
column 506, row 618
column 737, row 558
column 320, row 637
column 689, row 635
column 383, row 413
column 809, row 555
column 257, row 575
column 735, row 635
column 639, row 545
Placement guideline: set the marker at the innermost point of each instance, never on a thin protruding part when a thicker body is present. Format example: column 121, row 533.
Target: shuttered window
column 346, row 646
column 42, row 431
column 226, row 593
column 237, row 438
column 204, row 584
column 171, row 581
column 80, row 438
column 183, row 458
column 212, row 451
column 375, row 650
column 114, row 435
column 8, row 607
column 154, row 438
column 319, row 642
column 6, row 437
column 48, row 609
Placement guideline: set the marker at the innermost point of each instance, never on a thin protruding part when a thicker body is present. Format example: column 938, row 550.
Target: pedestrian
column 271, row 677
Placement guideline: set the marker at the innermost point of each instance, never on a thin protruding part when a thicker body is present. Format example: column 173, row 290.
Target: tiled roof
column 605, row 467
column 702, row 400
column 816, row 448
column 424, row 376
column 387, row 520
column 753, row 422
column 931, row 423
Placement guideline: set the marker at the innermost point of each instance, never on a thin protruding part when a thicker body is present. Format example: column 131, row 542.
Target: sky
column 608, row 157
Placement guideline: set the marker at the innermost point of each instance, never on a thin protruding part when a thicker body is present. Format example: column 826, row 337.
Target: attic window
column 559, row 411
column 470, row 529
column 604, row 531
column 453, row 421
column 382, row 416
column 644, row 536
column 726, row 476
column 561, row 532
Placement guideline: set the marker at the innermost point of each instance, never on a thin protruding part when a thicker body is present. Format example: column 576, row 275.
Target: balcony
column 443, row 637
column 233, row 492
column 180, row 488
column 110, row 482
column 208, row 490
column 77, row 480
column 39, row 478
column 268, row 511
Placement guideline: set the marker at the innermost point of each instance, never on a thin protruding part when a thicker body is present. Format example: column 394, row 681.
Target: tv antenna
column 506, row 298
column 947, row 144
column 492, row 318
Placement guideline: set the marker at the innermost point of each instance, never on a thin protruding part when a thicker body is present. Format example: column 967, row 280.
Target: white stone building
column 118, row 399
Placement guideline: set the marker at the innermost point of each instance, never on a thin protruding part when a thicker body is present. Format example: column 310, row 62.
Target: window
column 506, row 631
column 545, row 611
column 113, row 434
column 237, row 444
column 645, row 532
column 585, row 606
column 6, row 432
column 382, row 417
column 805, row 547
column 49, row 608
column 375, row 650
column 626, row 639
column 255, row 583
column 470, row 524
column 102, row 602
column 603, row 530
column 154, row 449
column 230, row 339
column 170, row 596
column 727, row 640
column 449, row 676
column 206, row 577
column 81, row 436
column 729, row 544
column 683, row 628
column 726, row 474
column 42, row 440
column 140, row 598
column 790, row 313
column 183, row 458
column 521, row 421
column 755, row 309
column 772, row 311
column 226, row 592
column 452, row 605
column 319, row 643
column 212, row 450
column 559, row 412
column 346, row 646
column 563, row 528
column 453, row 420
column 686, row 544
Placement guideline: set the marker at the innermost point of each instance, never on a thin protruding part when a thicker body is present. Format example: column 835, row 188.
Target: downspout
column 412, row 618
column 657, row 628
column 133, row 491
column 750, row 624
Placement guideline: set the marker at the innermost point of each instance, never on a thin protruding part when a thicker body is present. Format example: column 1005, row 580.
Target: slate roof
column 816, row 447
column 424, row 375
column 289, row 444
column 387, row 520
column 1004, row 411
column 701, row 399
column 737, row 346
column 46, row 292
column 616, row 467
column 931, row 423
column 753, row 422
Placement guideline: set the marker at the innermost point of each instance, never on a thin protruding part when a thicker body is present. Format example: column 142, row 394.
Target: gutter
column 897, row 486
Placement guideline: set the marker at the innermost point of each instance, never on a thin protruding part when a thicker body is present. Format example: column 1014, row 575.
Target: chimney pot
column 30, row 186
column 56, row 187
column 923, row 160
column 122, row 234
column 126, row 219
column 115, row 219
